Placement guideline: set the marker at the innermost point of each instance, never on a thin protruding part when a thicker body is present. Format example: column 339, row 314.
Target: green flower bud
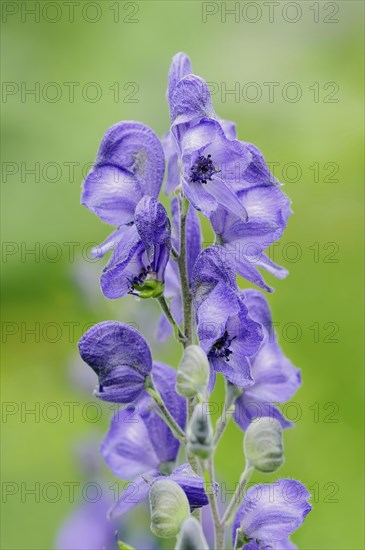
column 263, row 445
column 151, row 288
column 169, row 508
column 200, row 433
column 193, row 372
column 124, row 546
column 191, row 536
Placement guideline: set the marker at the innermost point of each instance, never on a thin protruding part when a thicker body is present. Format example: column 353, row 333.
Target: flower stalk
column 164, row 412
column 183, row 272
column 177, row 331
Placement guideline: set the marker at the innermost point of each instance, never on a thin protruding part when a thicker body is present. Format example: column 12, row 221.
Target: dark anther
column 203, row 169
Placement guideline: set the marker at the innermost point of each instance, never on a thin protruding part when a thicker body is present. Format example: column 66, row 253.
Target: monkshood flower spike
column 162, row 438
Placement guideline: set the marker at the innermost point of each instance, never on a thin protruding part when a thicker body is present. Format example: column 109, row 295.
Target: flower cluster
column 222, row 328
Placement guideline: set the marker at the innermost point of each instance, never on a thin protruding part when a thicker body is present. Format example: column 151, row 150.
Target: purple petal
column 199, row 197
column 257, row 172
column 135, row 493
column 236, row 370
column 268, row 211
column 190, row 101
column 164, row 329
column 111, row 193
column 276, row 378
column 152, row 222
column 153, row 226
column 121, row 358
column 213, row 313
column 258, row 308
column 192, row 484
column 248, row 410
column 87, row 528
column 249, row 272
column 127, row 447
column 248, row 334
column 120, row 240
column 212, row 266
column 116, row 279
column 139, row 441
column 270, row 266
column 173, row 169
column 271, row 512
column 225, row 196
column 134, row 147
column 229, row 128
column 179, row 68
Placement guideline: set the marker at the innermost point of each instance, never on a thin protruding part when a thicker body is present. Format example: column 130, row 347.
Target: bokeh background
column 115, row 57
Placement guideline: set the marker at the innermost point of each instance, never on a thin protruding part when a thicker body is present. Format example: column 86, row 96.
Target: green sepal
column 124, row 546
column 151, row 288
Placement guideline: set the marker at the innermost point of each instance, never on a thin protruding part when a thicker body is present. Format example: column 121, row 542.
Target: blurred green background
column 312, row 52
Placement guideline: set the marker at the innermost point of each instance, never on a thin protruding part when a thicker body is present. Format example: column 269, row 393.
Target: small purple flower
column 275, row 378
column 226, row 332
column 140, row 445
column 138, row 264
column 270, row 513
column 121, row 358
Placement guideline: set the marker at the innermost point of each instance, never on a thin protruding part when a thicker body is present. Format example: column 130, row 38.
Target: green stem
column 165, row 308
column 237, row 497
column 218, row 525
column 165, row 413
column 187, row 304
column 190, row 405
column 183, row 272
column 232, row 392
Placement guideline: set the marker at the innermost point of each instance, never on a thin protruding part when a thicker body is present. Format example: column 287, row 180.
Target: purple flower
column 172, row 289
column 189, row 102
column 226, row 332
column 129, row 168
column 138, row 264
column 275, row 378
column 268, row 210
column 121, row 358
column 270, row 513
column 140, row 445
column 226, row 179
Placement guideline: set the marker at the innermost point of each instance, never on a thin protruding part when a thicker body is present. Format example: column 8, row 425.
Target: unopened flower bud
column 263, row 445
column 191, row 536
column 169, row 508
column 193, row 372
column 200, row 433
